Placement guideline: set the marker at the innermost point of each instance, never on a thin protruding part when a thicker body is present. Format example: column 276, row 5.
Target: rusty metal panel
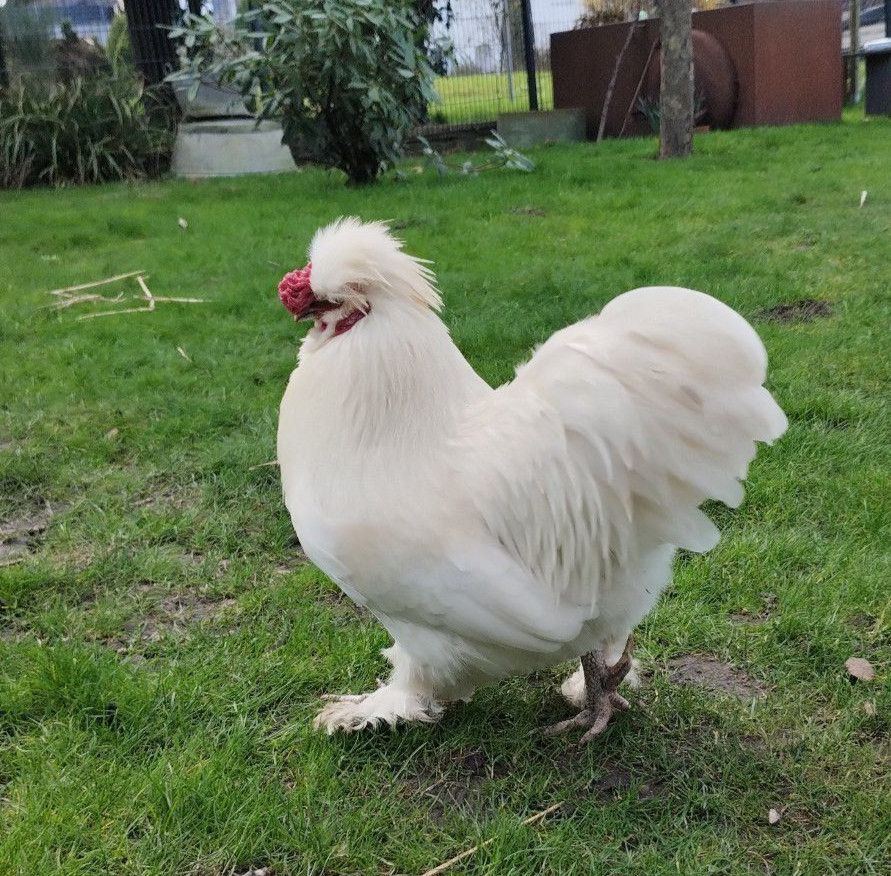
column 582, row 63
column 798, row 62
column 734, row 28
column 787, row 58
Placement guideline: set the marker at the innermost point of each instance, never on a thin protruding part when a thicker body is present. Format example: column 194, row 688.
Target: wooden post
column 529, row 52
column 676, row 93
column 608, row 97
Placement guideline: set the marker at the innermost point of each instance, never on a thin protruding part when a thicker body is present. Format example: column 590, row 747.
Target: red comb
column 294, row 289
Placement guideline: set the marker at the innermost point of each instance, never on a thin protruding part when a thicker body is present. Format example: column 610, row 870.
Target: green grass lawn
column 163, row 646
column 481, row 97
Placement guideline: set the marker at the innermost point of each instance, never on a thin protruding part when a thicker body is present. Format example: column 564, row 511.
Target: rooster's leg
column 403, row 699
column 601, row 694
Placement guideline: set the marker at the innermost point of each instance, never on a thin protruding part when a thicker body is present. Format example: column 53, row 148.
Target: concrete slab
column 550, row 126
column 230, row 147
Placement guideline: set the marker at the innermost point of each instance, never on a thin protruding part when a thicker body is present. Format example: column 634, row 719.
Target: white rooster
column 497, row 531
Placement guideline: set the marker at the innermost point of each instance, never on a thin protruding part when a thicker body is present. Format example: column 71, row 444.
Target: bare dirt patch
column 456, row 783
column 294, row 562
column 615, row 781
column 753, row 618
column 170, row 618
column 714, row 676
column 528, row 211
column 9, row 633
column 341, row 606
column 862, row 620
column 806, row 310
column 167, row 497
column 191, row 557
column 21, row 532
column 773, row 742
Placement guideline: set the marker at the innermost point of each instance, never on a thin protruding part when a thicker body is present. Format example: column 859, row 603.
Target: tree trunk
column 676, row 94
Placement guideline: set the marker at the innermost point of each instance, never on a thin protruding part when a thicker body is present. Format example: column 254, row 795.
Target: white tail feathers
column 615, row 432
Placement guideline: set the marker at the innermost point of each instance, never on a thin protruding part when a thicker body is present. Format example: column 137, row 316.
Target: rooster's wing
column 614, row 433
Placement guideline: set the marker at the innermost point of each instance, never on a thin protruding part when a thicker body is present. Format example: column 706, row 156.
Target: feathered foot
column 388, row 704
column 601, row 695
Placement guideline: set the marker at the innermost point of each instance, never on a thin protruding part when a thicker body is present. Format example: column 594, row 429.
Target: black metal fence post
column 153, row 53
column 529, row 52
column 4, row 75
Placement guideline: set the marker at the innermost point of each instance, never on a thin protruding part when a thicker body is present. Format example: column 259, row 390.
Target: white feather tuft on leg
column 388, row 704
column 404, row 698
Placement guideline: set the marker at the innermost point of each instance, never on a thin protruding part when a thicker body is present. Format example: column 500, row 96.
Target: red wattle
column 345, row 324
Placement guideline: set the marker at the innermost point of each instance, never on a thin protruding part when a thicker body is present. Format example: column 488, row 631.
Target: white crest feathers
column 354, row 256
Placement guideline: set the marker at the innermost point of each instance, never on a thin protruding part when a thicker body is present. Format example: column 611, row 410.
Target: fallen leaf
column 112, row 433
column 184, row 354
column 869, row 708
column 859, row 668
column 184, row 224
column 863, row 195
column 773, row 816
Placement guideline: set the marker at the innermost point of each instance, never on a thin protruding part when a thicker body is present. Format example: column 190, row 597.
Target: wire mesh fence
column 33, row 35
column 479, row 56
column 56, row 39
column 485, row 73
column 487, row 58
column 484, row 70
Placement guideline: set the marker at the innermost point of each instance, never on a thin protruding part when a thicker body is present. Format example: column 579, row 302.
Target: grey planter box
column 550, row 126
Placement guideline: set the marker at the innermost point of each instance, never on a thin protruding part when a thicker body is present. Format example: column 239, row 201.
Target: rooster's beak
column 302, row 304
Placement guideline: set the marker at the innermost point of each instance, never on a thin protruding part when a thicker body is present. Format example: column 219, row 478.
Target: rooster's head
column 353, row 267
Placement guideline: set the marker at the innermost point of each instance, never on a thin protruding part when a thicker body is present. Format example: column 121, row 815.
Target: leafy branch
column 506, row 157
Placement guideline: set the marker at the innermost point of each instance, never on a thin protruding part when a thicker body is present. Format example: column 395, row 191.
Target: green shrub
column 78, row 58
column 348, row 78
column 118, row 49
column 87, row 130
column 27, row 42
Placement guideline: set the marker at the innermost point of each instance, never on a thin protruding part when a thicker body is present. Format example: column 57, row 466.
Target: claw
column 579, row 720
column 596, row 729
column 617, row 701
column 595, row 720
column 602, row 699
